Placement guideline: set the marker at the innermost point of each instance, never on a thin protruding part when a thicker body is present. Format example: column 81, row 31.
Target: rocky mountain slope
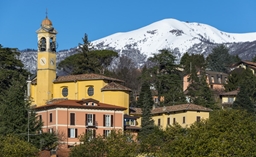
column 177, row 36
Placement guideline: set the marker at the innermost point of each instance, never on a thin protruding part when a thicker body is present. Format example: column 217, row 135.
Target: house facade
column 73, row 118
column 183, row 114
column 228, row 98
column 215, row 80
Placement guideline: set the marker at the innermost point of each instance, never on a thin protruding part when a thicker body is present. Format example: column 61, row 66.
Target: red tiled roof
column 231, row 93
column 136, row 110
column 115, row 86
column 174, row 108
column 181, row 107
column 80, row 77
column 79, row 104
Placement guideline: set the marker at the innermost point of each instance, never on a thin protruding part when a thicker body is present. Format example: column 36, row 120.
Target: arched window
column 42, row 44
column 90, row 91
column 65, row 91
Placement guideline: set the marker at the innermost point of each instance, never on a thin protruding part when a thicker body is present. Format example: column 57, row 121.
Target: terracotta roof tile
column 80, row 77
column 175, row 108
column 79, row 104
column 136, row 110
column 181, row 107
column 115, row 86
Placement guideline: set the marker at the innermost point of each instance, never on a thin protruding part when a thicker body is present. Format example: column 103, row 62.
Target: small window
column 168, row 121
column 106, row 133
column 156, row 100
column 50, row 130
column 72, row 133
column 230, row 99
column 212, row 79
column 108, row 120
column 198, row 118
column 90, row 119
column 184, row 120
column 219, row 80
column 90, row 91
column 174, row 121
column 91, row 133
column 92, row 103
column 50, row 117
column 72, row 118
column 159, row 122
column 40, row 118
column 65, row 91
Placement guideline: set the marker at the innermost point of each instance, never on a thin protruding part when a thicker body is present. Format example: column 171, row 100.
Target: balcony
column 91, row 124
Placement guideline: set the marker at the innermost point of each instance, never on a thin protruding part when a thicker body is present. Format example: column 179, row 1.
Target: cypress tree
column 147, row 123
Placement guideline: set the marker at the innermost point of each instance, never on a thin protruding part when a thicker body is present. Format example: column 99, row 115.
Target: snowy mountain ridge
column 177, row 36
column 170, row 34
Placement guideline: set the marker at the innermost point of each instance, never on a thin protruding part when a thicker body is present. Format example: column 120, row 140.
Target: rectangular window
column 40, row 118
column 50, row 130
column 212, row 79
column 219, row 80
column 108, row 120
column 91, row 133
column 174, row 121
column 106, row 133
column 50, row 117
column 168, row 121
column 90, row 119
column 184, row 120
column 230, row 99
column 198, row 118
column 72, row 118
column 72, row 133
column 159, row 122
column 156, row 100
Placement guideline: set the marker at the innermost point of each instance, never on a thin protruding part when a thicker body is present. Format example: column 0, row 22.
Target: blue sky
column 19, row 19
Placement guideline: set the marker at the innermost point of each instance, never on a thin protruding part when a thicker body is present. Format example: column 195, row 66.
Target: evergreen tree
column 168, row 80
column 146, row 101
column 243, row 101
column 220, row 59
column 193, row 60
column 88, row 60
column 199, row 91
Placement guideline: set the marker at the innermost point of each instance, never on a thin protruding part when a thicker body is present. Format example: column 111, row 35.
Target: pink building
column 72, row 118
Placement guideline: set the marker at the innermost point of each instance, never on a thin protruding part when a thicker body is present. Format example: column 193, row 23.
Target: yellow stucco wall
column 225, row 99
column 190, row 118
column 119, row 98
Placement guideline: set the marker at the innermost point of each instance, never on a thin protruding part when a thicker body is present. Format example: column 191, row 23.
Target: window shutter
column 104, row 120
column 75, row 133
column 94, row 133
column 68, row 132
column 104, row 133
column 112, row 120
column 86, row 131
column 85, row 119
column 94, row 119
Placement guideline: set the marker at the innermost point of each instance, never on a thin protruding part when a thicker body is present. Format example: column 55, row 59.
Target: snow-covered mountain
column 177, row 36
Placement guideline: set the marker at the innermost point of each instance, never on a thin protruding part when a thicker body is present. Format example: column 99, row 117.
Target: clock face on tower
column 42, row 61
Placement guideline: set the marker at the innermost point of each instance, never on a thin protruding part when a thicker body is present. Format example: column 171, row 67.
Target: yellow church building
column 46, row 86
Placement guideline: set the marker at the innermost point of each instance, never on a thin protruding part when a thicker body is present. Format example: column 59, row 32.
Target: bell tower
column 46, row 61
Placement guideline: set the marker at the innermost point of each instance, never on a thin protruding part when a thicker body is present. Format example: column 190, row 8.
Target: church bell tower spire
column 46, row 61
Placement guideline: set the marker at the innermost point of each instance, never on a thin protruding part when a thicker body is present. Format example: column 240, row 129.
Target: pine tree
column 168, row 80
column 147, row 123
column 243, row 101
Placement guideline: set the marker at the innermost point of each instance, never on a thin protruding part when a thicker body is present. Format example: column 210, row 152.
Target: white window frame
column 72, row 133
column 89, row 119
column 108, row 120
column 107, row 133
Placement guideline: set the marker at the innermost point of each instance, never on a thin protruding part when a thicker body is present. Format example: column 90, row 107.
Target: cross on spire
column 46, row 13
